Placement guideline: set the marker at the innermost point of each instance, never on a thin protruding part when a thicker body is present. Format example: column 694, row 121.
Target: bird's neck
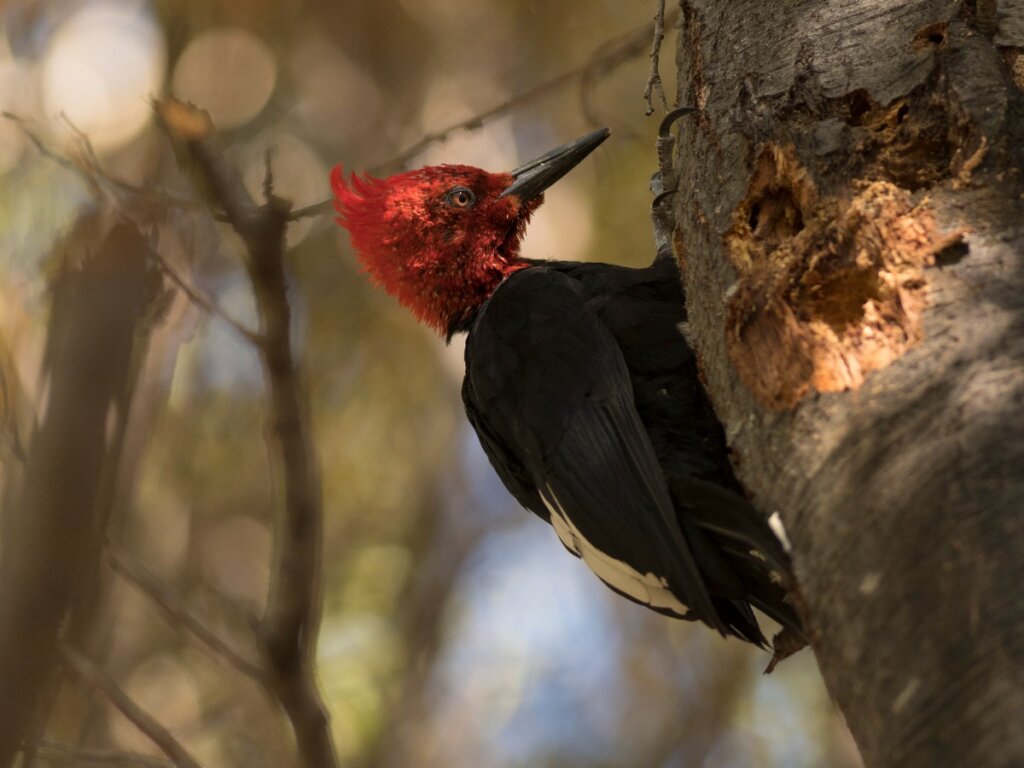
column 446, row 291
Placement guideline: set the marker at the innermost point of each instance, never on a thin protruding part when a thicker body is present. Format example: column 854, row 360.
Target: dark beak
column 537, row 175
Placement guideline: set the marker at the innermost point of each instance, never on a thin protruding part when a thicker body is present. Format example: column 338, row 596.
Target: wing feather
column 548, row 391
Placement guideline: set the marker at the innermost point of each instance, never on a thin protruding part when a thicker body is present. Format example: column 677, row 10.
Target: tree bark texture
column 850, row 225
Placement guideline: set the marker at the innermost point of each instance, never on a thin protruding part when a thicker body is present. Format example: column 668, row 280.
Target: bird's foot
column 664, row 183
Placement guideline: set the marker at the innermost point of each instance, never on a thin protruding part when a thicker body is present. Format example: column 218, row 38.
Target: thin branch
column 146, row 723
column 92, row 161
column 174, row 608
column 613, row 55
column 59, row 754
column 91, row 170
column 654, row 85
column 205, row 303
column 608, row 57
column 39, row 144
column 88, row 166
column 288, row 631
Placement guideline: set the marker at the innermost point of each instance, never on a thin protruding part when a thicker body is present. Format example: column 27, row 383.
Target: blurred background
column 456, row 630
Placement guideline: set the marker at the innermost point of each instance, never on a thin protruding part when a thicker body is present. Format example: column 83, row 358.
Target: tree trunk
column 52, row 534
column 850, row 227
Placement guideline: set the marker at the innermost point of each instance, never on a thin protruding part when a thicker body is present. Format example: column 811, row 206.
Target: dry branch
column 146, row 723
column 168, row 601
column 654, row 85
column 288, row 631
column 88, row 166
column 56, row 753
column 205, row 303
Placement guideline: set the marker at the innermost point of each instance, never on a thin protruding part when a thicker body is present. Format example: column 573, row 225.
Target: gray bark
column 850, row 227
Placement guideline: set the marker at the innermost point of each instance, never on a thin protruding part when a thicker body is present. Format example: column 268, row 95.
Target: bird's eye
column 460, row 197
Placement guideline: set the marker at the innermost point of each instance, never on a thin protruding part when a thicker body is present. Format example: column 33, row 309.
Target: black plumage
column 586, row 397
column 581, row 386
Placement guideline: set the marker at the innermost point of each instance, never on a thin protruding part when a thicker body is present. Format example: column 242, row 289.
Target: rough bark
column 850, row 227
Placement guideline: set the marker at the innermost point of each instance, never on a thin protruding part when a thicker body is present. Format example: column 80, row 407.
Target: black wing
column 548, row 392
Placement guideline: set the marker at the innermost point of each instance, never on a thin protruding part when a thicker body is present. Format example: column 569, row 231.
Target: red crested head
column 441, row 239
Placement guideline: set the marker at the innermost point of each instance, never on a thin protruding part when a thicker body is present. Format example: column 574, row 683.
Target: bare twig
column 606, row 58
column 205, row 303
column 146, row 723
column 654, row 85
column 91, row 170
column 56, row 753
column 288, row 631
column 173, row 606
column 92, row 161
column 39, row 144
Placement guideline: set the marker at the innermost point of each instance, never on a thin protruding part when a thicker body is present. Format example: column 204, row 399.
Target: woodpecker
column 581, row 386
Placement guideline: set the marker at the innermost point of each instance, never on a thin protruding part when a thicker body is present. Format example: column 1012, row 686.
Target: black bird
column 581, row 386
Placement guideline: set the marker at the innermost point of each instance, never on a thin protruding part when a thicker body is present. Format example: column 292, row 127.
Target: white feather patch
column 647, row 588
column 775, row 523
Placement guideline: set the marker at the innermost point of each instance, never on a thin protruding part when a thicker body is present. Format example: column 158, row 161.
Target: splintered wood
column 828, row 290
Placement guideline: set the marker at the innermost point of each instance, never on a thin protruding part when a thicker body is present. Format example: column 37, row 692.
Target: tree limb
column 168, row 601
column 146, row 723
column 205, row 303
column 654, row 85
column 288, row 631
column 65, row 754
column 865, row 361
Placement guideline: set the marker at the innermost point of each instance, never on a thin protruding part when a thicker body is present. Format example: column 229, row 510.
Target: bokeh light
column 230, row 72
column 299, row 173
column 102, row 66
column 335, row 96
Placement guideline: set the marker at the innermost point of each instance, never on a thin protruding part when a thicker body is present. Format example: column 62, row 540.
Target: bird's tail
column 732, row 520
column 747, row 560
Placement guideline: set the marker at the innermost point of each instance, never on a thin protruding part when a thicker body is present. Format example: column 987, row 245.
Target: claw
column 661, row 197
column 665, row 144
column 665, row 182
column 669, row 119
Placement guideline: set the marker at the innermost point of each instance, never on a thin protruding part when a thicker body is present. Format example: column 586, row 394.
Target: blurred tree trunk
column 104, row 287
column 849, row 225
